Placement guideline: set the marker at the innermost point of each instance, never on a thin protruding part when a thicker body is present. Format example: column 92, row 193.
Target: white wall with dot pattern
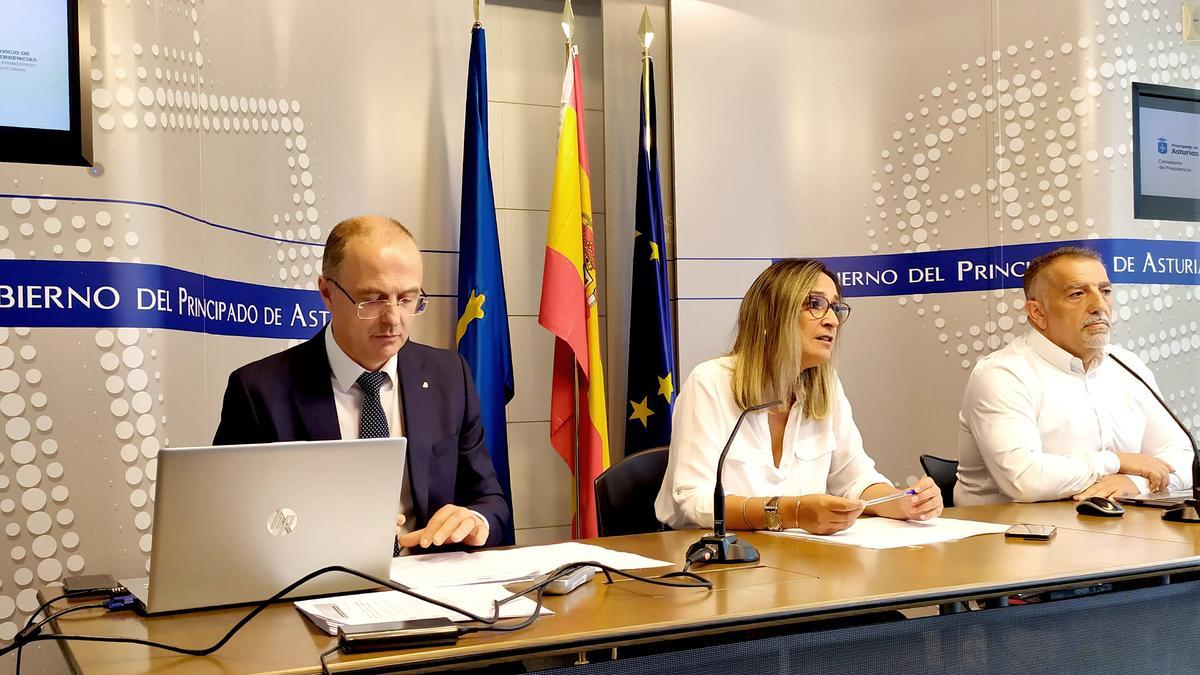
column 230, row 137
column 870, row 129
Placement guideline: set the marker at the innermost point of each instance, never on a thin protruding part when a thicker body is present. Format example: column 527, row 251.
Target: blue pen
column 898, row 495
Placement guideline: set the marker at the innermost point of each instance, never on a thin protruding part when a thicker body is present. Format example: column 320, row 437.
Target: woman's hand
column 924, row 505
column 826, row 514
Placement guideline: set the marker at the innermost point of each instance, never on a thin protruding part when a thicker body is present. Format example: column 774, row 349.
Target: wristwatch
column 771, row 515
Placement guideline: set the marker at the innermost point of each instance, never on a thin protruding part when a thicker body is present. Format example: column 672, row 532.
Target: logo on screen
column 1162, row 146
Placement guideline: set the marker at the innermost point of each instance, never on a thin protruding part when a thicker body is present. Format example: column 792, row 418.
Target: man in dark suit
column 361, row 377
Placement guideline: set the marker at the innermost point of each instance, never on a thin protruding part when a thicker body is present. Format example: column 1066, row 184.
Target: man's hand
column 450, row 525
column 400, row 520
column 1152, row 468
column 826, row 514
column 1109, row 487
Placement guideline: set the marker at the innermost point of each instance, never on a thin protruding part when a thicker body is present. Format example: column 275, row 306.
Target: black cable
column 258, row 608
column 1182, row 426
column 46, row 605
column 539, row 588
column 40, row 608
column 507, row 628
column 33, row 629
column 703, row 554
column 32, row 635
column 324, row 655
column 565, row 570
column 61, row 612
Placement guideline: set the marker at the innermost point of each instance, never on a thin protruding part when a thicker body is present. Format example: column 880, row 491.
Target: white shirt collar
column 1059, row 357
column 345, row 370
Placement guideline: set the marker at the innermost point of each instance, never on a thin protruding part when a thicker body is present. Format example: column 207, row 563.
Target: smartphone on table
column 1031, row 532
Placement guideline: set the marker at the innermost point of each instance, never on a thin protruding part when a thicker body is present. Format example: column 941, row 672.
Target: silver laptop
column 235, row 524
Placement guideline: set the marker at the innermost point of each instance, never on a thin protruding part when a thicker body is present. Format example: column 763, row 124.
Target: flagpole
column 651, row 369
column 646, row 37
column 481, row 334
column 568, row 28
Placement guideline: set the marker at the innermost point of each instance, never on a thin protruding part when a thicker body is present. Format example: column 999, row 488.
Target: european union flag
column 482, row 331
column 652, row 380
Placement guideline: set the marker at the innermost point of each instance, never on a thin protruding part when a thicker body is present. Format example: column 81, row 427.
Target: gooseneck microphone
column 1188, row 511
column 721, row 547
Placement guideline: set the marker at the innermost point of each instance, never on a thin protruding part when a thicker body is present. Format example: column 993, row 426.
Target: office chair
column 944, row 473
column 625, row 494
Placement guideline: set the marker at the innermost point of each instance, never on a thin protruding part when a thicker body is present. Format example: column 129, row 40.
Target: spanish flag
column 570, row 309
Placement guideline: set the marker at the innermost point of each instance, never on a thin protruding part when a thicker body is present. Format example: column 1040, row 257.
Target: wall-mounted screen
column 1166, row 152
column 44, row 109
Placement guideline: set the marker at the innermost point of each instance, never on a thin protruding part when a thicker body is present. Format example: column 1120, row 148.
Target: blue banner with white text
column 93, row 294
column 1129, row 261
column 54, row 293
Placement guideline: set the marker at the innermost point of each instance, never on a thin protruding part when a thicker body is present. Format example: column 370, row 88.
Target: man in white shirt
column 1052, row 415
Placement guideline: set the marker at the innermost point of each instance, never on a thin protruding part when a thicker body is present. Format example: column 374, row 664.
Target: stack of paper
column 375, row 607
column 888, row 533
column 469, row 581
column 517, row 564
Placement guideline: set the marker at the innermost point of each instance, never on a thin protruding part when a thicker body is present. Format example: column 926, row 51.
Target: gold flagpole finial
column 646, row 31
column 568, row 21
column 477, row 4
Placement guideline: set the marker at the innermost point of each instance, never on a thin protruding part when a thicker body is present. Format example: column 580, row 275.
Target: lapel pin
column 424, row 385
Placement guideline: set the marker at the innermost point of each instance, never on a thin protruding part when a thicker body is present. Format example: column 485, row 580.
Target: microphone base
column 1184, row 513
column 727, row 549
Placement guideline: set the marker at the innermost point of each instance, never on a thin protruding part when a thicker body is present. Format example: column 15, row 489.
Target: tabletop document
column 889, row 533
column 468, row 580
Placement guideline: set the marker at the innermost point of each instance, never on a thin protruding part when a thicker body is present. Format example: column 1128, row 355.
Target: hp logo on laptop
column 282, row 522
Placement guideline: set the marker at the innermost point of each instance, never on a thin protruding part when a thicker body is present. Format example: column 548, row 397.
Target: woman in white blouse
column 797, row 465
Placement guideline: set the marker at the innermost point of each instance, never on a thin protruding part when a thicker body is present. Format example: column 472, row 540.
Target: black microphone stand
column 1189, row 511
column 720, row 546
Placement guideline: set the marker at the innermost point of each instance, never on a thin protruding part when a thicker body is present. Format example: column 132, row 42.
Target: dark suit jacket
column 289, row 397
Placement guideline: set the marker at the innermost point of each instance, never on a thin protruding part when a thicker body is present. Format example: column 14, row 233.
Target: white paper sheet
column 438, row 570
column 882, row 533
column 374, row 607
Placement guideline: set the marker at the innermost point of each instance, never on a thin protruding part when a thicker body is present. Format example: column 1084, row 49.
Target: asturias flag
column 570, row 308
column 651, row 346
column 482, row 331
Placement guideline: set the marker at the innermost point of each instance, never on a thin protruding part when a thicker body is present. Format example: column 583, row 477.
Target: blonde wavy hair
column 768, row 346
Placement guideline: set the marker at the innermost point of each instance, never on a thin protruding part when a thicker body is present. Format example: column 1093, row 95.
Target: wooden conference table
column 795, row 582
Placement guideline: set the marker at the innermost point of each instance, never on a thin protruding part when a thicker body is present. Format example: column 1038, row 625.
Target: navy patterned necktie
column 372, row 422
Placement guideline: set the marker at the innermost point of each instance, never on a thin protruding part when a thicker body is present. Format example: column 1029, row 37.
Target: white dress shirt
column 819, row 456
column 348, row 399
column 1034, row 426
